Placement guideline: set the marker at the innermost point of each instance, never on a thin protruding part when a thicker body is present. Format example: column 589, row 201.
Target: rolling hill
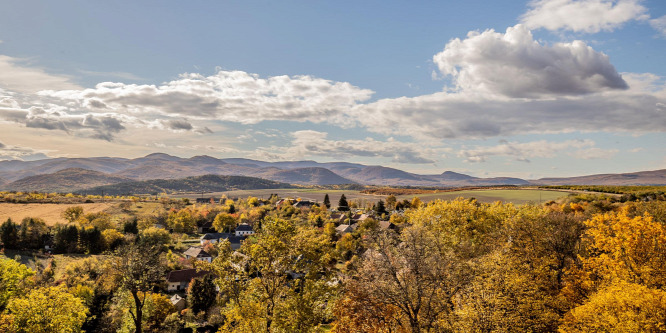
column 305, row 176
column 67, row 180
column 656, row 177
column 17, row 174
column 206, row 183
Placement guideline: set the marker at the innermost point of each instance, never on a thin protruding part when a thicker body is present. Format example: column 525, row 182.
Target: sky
column 544, row 88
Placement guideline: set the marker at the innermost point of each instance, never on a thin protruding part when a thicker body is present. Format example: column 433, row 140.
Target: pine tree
column 9, row 234
column 201, row 294
column 327, row 201
column 342, row 204
column 380, row 209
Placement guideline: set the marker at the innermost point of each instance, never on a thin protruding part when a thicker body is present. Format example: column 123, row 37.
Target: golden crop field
column 50, row 212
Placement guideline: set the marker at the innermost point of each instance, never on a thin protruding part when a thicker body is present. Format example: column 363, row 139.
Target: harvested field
column 51, row 213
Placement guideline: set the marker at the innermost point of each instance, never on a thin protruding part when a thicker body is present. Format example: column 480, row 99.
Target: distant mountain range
column 68, row 174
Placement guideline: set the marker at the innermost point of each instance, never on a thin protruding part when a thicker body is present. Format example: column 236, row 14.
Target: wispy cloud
column 19, row 75
column 526, row 150
column 659, row 24
column 119, row 75
column 8, row 152
column 310, row 143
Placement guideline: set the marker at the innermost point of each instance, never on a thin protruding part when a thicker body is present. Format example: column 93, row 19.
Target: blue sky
column 500, row 88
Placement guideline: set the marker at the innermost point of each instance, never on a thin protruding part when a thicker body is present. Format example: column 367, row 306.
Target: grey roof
column 223, row 235
column 196, row 252
column 244, row 227
column 216, row 235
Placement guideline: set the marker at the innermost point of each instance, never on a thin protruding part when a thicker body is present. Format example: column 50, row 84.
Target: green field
column 517, row 196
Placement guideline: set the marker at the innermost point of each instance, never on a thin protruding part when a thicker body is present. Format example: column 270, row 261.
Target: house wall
column 176, row 286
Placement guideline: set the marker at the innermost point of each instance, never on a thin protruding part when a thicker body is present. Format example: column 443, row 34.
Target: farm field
column 514, row 196
column 50, row 212
column 517, row 196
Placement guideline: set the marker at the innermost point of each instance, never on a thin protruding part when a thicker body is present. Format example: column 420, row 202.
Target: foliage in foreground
column 585, row 263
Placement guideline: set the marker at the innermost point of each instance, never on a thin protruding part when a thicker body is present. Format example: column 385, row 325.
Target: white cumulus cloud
column 589, row 16
column 227, row 95
column 513, row 64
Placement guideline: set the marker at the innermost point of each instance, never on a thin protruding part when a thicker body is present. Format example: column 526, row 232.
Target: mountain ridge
column 307, row 172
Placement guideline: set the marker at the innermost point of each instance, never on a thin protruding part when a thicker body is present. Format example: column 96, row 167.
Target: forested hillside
column 207, row 183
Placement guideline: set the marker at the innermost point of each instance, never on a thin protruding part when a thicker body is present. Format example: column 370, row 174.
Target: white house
column 180, row 280
column 244, row 229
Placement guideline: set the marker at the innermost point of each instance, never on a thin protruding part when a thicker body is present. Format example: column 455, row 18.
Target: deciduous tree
column 15, row 278
column 46, row 310
column 138, row 269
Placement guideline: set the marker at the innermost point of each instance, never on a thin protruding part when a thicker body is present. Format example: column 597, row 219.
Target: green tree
column 380, row 209
column 46, row 310
column 66, row 238
column 90, row 240
column 131, row 227
column 9, row 234
column 343, row 205
column 327, row 201
column 32, row 232
column 201, row 294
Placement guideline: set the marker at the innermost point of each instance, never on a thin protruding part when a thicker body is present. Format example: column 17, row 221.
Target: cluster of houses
column 350, row 222
column 179, row 280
